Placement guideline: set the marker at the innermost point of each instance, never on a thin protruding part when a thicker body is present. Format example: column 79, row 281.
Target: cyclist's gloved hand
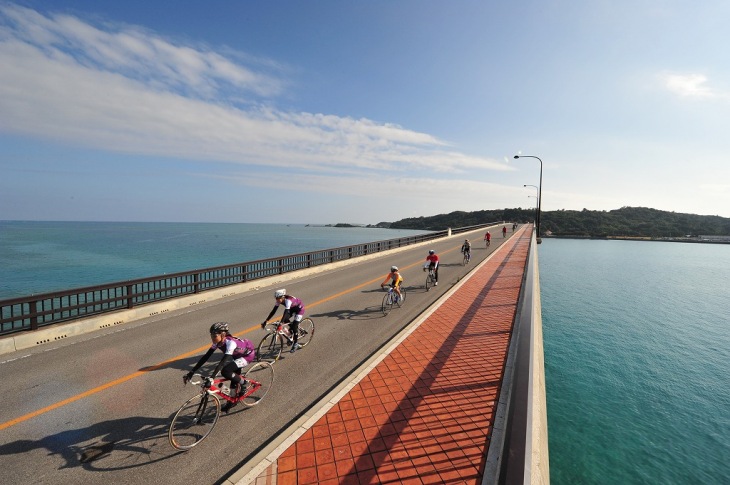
column 263, row 325
column 187, row 377
column 208, row 382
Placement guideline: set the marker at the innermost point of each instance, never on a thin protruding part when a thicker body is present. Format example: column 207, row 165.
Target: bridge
column 449, row 387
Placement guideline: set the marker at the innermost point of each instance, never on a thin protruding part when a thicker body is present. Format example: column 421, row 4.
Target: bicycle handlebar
column 199, row 380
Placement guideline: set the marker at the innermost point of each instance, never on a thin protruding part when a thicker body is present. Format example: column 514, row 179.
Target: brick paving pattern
column 425, row 413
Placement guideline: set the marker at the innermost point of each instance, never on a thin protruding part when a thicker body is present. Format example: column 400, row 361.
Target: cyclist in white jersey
column 293, row 309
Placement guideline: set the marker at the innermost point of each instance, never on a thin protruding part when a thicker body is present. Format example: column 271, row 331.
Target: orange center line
column 145, row 370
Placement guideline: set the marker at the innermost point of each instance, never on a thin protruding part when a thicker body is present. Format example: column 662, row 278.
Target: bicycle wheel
column 464, row 261
column 305, row 332
column 429, row 281
column 261, row 374
column 270, row 347
column 402, row 297
column 387, row 303
column 194, row 421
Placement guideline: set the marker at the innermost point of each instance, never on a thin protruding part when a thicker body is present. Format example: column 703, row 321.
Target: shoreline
column 640, row 238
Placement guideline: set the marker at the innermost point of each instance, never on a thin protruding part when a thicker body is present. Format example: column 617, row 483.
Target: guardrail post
column 130, row 296
column 34, row 315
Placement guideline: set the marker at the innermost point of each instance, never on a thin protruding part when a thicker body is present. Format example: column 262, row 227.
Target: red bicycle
column 197, row 417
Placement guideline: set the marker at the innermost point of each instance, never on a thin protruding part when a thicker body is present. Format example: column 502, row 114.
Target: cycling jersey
column 396, row 279
column 433, row 259
column 236, row 348
column 292, row 306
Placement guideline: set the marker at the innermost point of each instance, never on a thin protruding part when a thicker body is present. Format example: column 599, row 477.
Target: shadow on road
column 109, row 445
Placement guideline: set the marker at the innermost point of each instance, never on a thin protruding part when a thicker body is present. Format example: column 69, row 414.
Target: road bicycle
column 430, row 277
column 278, row 334
column 488, row 241
column 467, row 258
column 391, row 298
column 196, row 418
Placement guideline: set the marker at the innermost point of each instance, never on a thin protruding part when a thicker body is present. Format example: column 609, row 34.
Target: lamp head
column 517, row 156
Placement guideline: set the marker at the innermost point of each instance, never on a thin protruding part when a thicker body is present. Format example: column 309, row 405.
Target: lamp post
column 533, row 197
column 539, row 195
column 537, row 198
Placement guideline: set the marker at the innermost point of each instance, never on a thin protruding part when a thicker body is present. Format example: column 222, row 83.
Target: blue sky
column 369, row 111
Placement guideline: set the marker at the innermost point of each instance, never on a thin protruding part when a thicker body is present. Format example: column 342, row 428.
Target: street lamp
column 537, row 198
column 539, row 195
column 534, row 197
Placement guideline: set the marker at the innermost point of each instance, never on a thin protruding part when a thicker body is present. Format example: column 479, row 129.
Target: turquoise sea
column 38, row 257
column 637, row 358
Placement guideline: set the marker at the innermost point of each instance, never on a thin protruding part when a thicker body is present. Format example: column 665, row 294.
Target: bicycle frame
column 216, row 388
column 430, row 278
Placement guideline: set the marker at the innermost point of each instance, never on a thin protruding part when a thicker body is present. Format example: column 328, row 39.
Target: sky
column 360, row 111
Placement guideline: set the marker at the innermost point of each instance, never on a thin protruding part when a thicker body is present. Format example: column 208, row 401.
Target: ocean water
column 39, row 257
column 637, row 359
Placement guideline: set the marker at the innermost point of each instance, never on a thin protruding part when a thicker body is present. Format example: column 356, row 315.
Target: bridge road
column 95, row 408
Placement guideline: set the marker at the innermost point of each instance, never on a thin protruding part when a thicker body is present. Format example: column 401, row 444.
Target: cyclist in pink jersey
column 293, row 309
column 237, row 353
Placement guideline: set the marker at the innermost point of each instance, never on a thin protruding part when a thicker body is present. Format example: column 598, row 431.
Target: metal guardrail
column 33, row 312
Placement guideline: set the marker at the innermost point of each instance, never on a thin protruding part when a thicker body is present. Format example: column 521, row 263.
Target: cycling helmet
column 279, row 293
column 431, row 251
column 466, row 240
column 219, row 327
column 393, row 269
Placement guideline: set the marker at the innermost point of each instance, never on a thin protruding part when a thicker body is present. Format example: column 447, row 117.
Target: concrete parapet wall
column 539, row 469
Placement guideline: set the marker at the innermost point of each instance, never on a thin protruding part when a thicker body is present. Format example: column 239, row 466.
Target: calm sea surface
column 637, row 357
column 38, row 257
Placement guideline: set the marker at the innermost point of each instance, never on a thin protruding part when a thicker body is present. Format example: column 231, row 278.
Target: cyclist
column 504, row 231
column 396, row 280
column 237, row 353
column 294, row 310
column 466, row 250
column 433, row 263
column 488, row 238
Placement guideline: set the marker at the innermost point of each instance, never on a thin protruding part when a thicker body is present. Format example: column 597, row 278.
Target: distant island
column 626, row 222
column 379, row 225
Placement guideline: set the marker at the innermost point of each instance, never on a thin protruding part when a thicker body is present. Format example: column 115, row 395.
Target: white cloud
column 688, row 85
column 125, row 89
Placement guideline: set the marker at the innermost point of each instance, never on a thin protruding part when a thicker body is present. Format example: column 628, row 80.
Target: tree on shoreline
column 623, row 222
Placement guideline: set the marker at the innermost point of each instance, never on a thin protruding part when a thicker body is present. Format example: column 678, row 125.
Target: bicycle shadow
column 185, row 364
column 373, row 290
column 116, row 444
column 367, row 313
column 419, row 289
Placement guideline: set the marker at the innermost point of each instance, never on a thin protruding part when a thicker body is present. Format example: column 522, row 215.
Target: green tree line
column 623, row 222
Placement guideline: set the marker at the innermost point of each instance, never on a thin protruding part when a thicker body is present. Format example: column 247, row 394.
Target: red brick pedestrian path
column 424, row 413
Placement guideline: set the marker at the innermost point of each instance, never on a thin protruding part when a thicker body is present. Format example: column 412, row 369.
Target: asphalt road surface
column 96, row 408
